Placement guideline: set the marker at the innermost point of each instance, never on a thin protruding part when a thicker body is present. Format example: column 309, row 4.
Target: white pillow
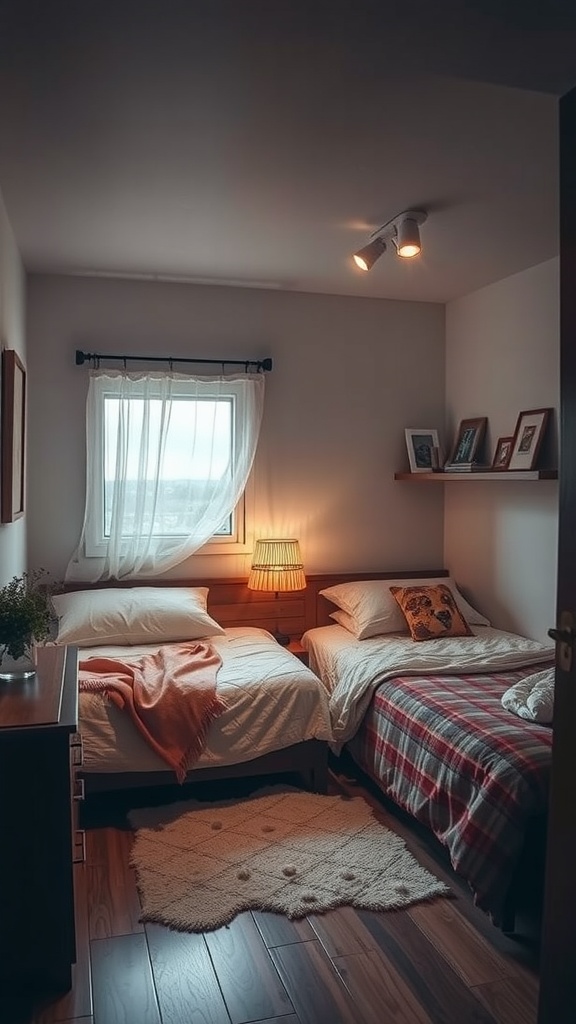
column 133, row 615
column 372, row 609
column 343, row 619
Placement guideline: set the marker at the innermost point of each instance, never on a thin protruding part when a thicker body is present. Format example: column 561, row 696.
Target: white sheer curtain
column 168, row 458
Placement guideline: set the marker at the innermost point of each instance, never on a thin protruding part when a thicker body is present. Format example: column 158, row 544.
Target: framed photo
column 13, row 437
column 469, row 441
column 502, row 453
column 527, row 439
column 423, row 449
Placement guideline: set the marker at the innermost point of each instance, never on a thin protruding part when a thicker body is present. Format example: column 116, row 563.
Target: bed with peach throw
column 426, row 722
column 274, row 708
column 166, row 692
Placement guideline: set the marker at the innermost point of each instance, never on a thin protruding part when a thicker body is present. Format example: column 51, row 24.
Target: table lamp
column 277, row 566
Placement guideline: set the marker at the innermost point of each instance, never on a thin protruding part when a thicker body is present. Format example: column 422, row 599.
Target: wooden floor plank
column 186, row 983
column 107, row 845
column 379, row 992
column 465, row 950
column 250, row 985
column 509, row 1001
column 291, row 1018
column 341, row 932
column 122, row 981
column 76, row 1020
column 277, row 930
column 314, row 985
column 113, row 900
column 424, row 969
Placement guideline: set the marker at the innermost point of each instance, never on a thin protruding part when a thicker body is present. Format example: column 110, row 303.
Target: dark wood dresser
column 38, row 728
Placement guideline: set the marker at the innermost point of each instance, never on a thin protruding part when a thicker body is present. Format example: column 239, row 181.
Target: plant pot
column 18, row 668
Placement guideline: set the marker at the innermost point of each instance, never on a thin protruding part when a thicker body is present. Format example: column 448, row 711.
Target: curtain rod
column 95, row 357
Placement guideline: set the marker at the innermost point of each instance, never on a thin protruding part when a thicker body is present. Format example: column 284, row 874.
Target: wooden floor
column 441, row 962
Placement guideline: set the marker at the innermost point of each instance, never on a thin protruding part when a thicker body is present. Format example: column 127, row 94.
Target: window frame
column 95, row 544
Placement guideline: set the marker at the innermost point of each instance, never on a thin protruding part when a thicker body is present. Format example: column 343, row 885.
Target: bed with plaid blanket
column 445, row 750
column 426, row 722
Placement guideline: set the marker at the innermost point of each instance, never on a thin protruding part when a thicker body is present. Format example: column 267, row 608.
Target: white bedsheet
column 352, row 669
column 273, row 701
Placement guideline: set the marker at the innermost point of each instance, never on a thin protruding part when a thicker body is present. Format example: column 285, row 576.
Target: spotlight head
column 408, row 237
column 366, row 258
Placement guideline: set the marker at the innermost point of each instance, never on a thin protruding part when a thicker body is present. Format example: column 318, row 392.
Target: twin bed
column 274, row 715
column 425, row 721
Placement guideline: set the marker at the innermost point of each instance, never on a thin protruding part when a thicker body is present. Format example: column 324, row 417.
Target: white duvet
column 352, row 669
column 532, row 698
column 273, row 701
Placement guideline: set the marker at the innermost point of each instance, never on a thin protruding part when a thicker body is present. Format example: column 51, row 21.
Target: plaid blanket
column 444, row 749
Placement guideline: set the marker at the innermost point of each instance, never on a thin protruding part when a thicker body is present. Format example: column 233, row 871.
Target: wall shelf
column 477, row 475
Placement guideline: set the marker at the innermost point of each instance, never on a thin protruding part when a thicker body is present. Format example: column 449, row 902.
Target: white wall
column 349, row 374
column 503, row 356
column 12, row 336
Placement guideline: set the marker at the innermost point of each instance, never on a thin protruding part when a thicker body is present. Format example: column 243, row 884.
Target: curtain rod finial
column 80, row 357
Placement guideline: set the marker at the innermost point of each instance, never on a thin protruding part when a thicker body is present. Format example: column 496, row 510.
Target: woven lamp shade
column 277, row 565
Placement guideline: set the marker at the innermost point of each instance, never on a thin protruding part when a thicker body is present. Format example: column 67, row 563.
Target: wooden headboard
column 232, row 604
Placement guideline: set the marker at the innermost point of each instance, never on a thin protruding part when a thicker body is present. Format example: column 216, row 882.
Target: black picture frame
column 528, row 435
column 469, row 440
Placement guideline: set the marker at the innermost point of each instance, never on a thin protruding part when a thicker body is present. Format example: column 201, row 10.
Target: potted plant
column 25, row 618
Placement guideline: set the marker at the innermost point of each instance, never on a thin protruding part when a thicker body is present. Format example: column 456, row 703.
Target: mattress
column 273, row 701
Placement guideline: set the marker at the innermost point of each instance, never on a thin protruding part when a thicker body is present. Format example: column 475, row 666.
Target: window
column 168, row 459
column 199, row 440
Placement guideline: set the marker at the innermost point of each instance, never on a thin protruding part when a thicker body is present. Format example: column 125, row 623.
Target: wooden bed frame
column 232, row 604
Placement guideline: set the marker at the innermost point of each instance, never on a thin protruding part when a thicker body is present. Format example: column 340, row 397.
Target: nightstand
column 295, row 647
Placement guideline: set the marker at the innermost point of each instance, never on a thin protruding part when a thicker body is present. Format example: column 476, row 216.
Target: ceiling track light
column 403, row 230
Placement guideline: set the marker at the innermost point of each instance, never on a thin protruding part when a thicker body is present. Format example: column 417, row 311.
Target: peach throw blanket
column 170, row 696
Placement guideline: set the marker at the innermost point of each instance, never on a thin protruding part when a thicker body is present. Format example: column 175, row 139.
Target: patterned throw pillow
column 431, row 612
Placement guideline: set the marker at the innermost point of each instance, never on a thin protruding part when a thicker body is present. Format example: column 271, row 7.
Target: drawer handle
column 77, row 752
column 79, row 789
column 79, row 846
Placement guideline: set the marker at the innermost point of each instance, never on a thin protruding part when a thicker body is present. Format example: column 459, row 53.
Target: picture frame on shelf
column 423, row 449
column 13, row 437
column 468, row 443
column 528, row 435
column 502, row 453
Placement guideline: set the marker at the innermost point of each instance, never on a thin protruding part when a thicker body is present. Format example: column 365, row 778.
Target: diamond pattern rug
column 283, row 850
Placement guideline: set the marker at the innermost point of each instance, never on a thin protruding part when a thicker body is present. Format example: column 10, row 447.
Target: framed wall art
column 469, row 440
column 502, row 453
column 423, row 448
column 13, row 415
column 530, row 429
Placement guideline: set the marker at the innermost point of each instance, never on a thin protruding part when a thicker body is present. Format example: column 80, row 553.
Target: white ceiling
column 260, row 141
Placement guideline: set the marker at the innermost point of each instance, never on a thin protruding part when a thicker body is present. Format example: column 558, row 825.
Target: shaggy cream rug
column 293, row 852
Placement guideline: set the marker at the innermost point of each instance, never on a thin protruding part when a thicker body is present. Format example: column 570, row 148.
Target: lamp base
column 281, row 638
